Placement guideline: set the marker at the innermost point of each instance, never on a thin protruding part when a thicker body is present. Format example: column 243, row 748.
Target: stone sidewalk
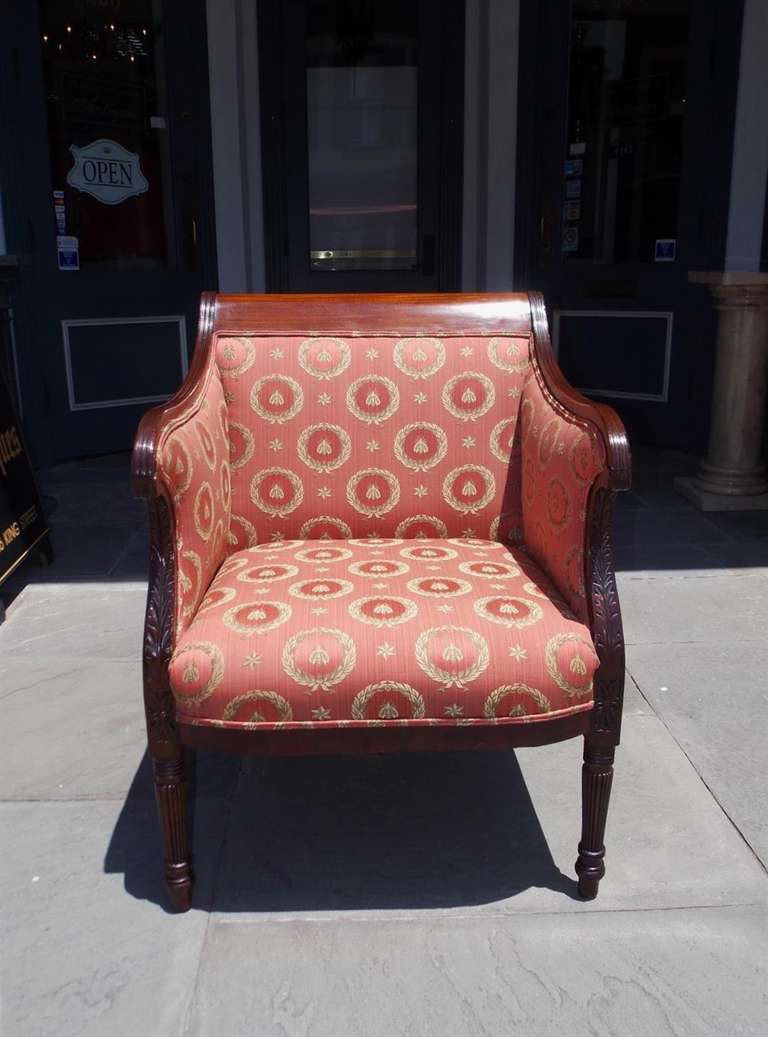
column 415, row 894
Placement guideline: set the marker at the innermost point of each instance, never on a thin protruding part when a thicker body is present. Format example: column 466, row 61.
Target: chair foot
column 170, row 792
column 596, row 779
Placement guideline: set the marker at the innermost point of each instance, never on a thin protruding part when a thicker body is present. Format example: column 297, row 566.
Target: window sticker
column 108, row 172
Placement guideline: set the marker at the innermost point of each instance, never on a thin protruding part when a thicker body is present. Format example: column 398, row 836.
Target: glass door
column 115, row 211
column 359, row 191
column 619, row 152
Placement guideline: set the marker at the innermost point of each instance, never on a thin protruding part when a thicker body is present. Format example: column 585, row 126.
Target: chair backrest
column 357, row 416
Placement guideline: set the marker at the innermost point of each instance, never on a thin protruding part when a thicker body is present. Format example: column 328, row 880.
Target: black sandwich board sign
column 22, row 522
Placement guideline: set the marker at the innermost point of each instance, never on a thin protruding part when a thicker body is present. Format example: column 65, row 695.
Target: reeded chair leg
column 170, row 792
column 596, row 779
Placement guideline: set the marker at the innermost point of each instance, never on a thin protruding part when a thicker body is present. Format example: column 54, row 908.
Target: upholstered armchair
column 378, row 524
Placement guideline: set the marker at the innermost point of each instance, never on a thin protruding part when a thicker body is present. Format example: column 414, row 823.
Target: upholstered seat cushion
column 360, row 632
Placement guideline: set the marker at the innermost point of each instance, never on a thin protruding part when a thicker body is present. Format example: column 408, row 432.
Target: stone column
column 733, row 476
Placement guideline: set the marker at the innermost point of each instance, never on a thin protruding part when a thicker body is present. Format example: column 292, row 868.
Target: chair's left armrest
column 575, row 457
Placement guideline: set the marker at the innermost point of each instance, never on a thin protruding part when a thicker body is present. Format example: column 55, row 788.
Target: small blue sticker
column 68, row 249
column 665, row 250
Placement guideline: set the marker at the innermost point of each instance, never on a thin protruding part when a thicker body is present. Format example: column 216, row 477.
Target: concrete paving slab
column 84, row 956
column 94, row 707
column 717, row 610
column 655, row 561
column 76, row 621
column 477, row 832
column 714, row 701
column 657, row 973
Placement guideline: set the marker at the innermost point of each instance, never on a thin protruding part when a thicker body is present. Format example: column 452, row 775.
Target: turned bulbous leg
column 596, row 779
column 170, row 792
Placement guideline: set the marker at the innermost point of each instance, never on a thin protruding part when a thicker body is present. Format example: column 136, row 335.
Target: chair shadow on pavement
column 409, row 831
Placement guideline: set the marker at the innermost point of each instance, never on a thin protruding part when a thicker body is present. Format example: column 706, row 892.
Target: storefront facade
column 598, row 150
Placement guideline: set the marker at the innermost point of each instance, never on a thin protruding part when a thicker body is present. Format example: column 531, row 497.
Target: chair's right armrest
column 180, row 466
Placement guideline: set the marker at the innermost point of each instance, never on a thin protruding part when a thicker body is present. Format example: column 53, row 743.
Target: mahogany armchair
column 379, row 523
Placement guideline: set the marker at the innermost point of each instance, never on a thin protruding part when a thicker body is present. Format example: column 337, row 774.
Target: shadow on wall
column 416, row 831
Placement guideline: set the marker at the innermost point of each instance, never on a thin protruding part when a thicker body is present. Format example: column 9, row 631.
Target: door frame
column 274, row 150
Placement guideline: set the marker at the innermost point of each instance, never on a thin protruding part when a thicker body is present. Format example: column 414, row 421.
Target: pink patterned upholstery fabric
column 365, row 631
column 194, row 465
column 397, row 437
column 560, row 459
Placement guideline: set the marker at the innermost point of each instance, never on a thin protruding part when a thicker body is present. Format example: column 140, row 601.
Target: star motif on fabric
column 445, row 608
column 420, row 491
column 468, row 442
column 324, row 399
column 419, row 397
column 466, row 351
column 229, row 396
column 434, row 568
column 514, row 392
column 380, row 585
column 322, row 568
column 275, row 444
column 518, row 653
column 454, row 710
column 373, row 535
column 278, row 537
column 371, row 354
column 385, row 651
column 321, row 713
column 497, row 586
column 376, row 551
column 276, row 353
column 372, row 445
column 469, row 533
column 324, row 492
column 319, row 610
column 252, row 660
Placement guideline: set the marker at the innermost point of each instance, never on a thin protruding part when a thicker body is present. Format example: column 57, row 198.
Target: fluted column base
column 596, row 781
column 170, row 793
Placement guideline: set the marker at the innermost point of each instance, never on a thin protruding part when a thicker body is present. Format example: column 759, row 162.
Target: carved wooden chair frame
column 600, row 726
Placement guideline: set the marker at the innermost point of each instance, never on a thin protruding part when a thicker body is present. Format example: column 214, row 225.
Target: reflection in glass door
column 362, row 118
column 361, row 143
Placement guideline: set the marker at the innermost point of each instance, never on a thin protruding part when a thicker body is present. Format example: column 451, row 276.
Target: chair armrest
column 180, row 466
column 573, row 451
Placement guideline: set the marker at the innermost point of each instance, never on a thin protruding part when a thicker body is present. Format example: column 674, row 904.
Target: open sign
column 107, row 171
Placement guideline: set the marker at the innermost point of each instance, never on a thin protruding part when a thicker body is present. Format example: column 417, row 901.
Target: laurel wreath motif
column 247, row 435
column 378, row 509
column 344, row 587
column 277, row 510
column 248, row 528
column 207, row 445
column 283, row 707
column 305, row 533
column 401, row 360
column 226, row 344
column 410, row 694
column 446, row 677
column 378, row 417
column 426, row 463
column 441, row 530
column 491, row 705
column 269, row 573
column 209, row 602
column 356, row 611
column 488, row 401
column 229, row 619
column 282, row 416
column 511, row 366
column 305, row 359
column 550, row 659
column 344, row 441
column 217, row 671
column 501, row 452
column 325, row 681
column 469, row 507
column 535, row 614
column 182, row 466
column 203, row 531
